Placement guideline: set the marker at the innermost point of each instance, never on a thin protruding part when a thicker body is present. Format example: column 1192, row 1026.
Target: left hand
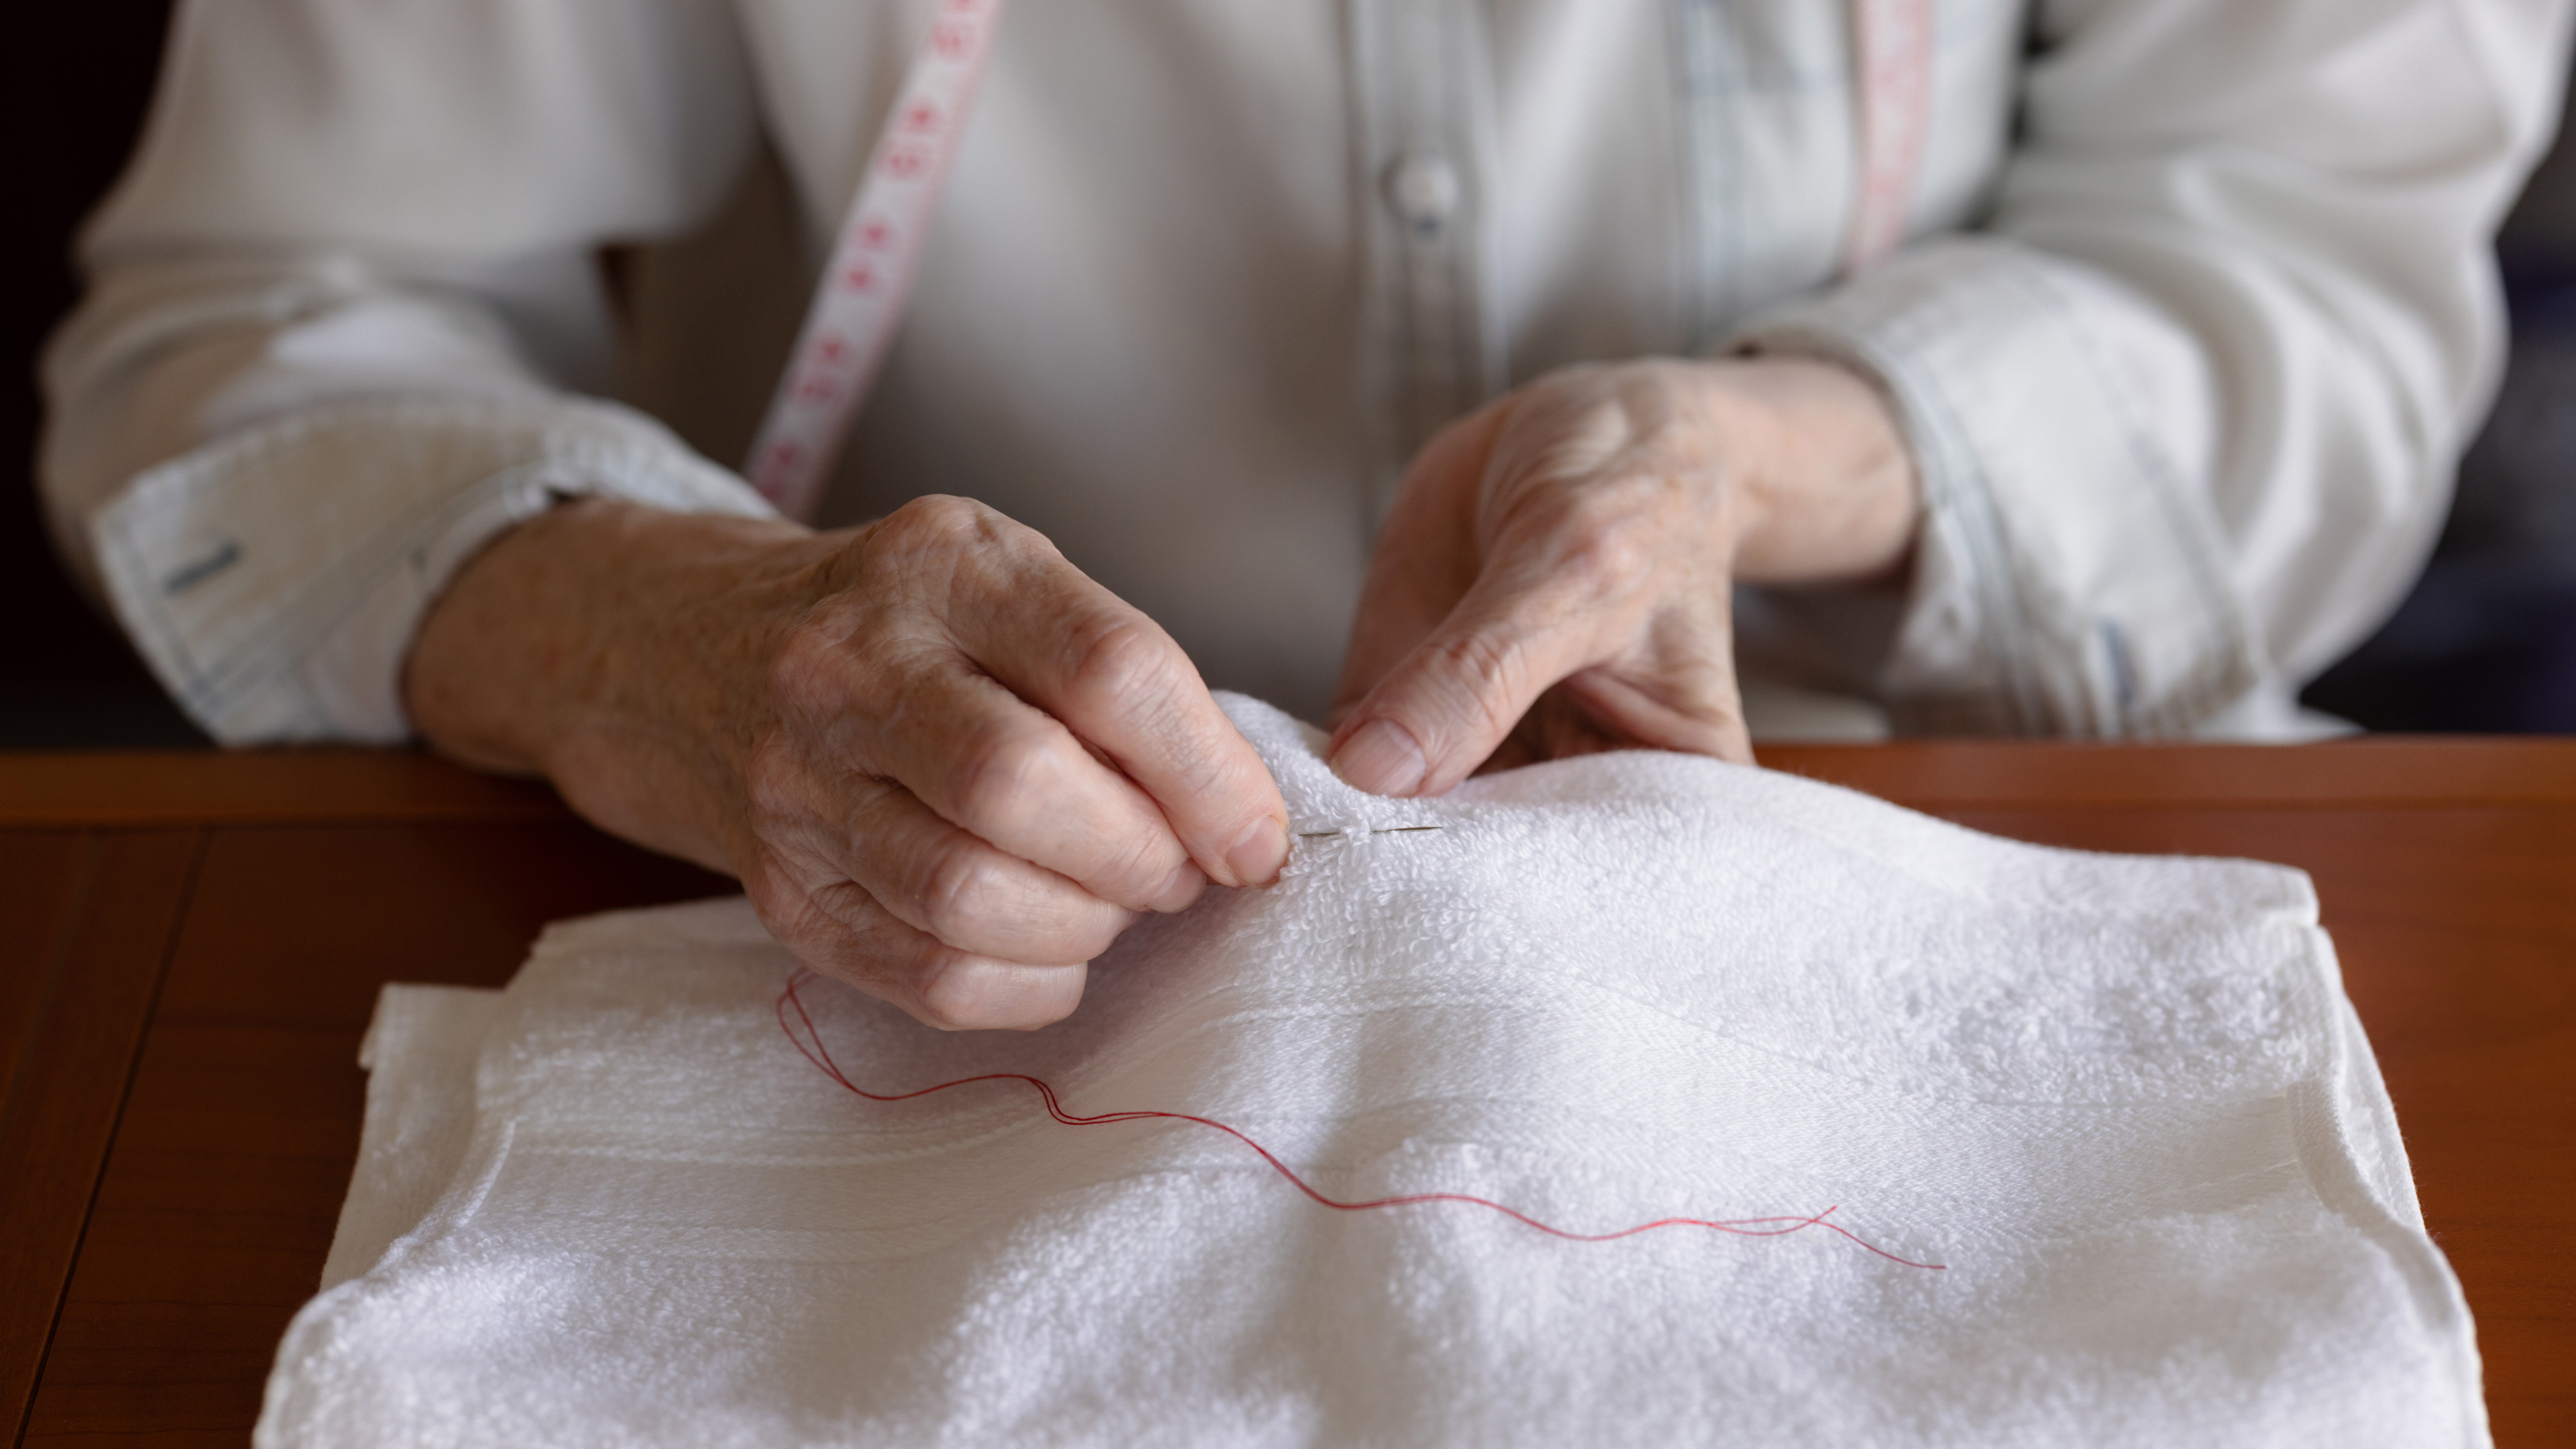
column 1554, row 576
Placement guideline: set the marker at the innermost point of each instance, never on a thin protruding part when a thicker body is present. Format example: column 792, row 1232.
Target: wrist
column 1825, row 488
column 622, row 651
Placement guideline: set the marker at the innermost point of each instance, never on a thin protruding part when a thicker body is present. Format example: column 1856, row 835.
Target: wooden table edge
column 131, row 791
column 140, row 789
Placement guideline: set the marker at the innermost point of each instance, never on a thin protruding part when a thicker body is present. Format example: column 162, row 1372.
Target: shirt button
column 1422, row 187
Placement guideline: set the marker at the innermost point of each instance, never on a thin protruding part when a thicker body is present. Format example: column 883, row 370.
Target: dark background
column 2486, row 642
column 74, row 79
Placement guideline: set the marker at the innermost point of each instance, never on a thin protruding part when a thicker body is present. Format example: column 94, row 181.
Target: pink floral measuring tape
column 1892, row 44
column 860, row 300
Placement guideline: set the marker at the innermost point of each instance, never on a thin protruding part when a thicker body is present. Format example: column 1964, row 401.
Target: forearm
column 618, row 650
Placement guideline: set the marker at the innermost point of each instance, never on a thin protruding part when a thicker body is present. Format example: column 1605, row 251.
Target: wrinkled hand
column 947, row 766
column 1554, row 577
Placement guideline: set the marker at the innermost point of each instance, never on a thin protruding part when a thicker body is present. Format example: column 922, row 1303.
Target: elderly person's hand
column 947, row 766
column 1554, row 577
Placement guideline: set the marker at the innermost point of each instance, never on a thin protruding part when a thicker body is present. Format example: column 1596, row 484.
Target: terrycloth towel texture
column 2122, row 1099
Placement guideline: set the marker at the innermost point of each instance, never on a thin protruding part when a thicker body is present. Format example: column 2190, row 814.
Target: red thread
column 821, row 1057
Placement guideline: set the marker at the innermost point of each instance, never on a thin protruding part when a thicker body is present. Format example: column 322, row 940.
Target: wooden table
column 193, row 944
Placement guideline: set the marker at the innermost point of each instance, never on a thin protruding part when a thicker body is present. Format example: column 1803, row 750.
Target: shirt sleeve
column 342, row 306
column 2186, row 407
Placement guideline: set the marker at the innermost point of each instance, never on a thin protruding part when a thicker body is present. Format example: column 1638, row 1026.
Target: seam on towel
column 2326, row 1150
column 457, row 1207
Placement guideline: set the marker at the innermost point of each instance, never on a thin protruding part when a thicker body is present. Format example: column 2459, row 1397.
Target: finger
column 842, row 932
column 944, row 882
column 1121, row 684
column 1451, row 701
column 890, row 684
column 986, row 762
column 1425, row 559
column 1688, row 703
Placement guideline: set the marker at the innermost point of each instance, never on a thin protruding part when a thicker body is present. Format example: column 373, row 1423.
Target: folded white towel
column 2121, row 1100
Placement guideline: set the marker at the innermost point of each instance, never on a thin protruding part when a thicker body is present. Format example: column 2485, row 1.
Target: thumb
column 1447, row 706
column 1426, row 558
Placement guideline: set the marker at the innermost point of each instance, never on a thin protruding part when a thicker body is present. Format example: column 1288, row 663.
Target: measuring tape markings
column 851, row 322
column 1892, row 48
column 857, row 306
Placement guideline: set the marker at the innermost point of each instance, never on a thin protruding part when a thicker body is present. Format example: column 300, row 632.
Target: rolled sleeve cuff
column 2069, row 578
column 274, row 579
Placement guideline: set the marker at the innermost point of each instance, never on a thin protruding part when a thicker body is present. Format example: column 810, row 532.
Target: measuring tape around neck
column 1892, row 46
column 860, row 300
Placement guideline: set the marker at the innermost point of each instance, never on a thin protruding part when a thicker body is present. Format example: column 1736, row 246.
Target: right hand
column 947, row 767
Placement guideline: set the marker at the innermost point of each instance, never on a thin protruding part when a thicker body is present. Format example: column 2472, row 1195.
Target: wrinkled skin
column 949, row 768
column 1554, row 577
column 946, row 766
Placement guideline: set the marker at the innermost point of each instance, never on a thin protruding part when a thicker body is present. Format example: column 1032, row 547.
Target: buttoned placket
column 1702, row 52
column 1423, row 132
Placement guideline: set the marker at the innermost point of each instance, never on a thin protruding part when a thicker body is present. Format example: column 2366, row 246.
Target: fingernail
column 1257, row 855
column 1382, row 759
column 1182, row 888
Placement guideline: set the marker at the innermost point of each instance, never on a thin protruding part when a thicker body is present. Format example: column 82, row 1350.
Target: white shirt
column 2197, row 314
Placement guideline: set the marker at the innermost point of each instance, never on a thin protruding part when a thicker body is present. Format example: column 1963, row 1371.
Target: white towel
column 2121, row 1100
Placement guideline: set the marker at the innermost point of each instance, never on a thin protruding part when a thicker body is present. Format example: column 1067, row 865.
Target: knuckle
column 997, row 774
column 952, row 891
column 936, row 520
column 1604, row 555
column 1122, row 661
column 949, row 1009
column 799, row 918
column 938, row 555
column 1560, row 438
column 1136, row 867
column 1490, row 669
column 839, row 930
column 1483, row 657
column 929, row 534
